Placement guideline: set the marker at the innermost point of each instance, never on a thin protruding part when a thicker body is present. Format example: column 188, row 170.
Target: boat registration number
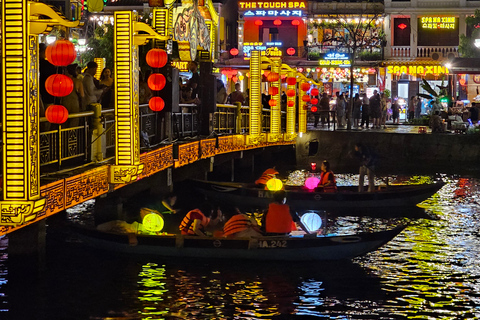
column 272, row 244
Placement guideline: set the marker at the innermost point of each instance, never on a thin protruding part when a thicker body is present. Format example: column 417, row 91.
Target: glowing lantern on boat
column 290, row 93
column 311, row 183
column 306, row 98
column 272, row 102
column 314, row 92
column 153, row 222
column 305, row 86
column 156, row 81
column 313, row 166
column 290, row 103
column 314, row 101
column 157, row 58
column 156, row 104
column 274, row 184
column 59, row 85
column 314, row 109
column 311, row 220
column 61, row 53
column 273, row 91
column 291, row 81
column 56, row 113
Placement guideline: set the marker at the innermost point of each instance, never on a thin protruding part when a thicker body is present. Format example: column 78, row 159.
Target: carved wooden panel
column 207, row 148
column 86, row 186
column 156, row 160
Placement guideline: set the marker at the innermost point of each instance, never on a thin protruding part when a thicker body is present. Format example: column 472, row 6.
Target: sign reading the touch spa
column 272, row 8
column 414, row 70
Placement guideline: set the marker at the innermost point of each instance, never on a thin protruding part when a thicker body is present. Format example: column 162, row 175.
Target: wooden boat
column 249, row 196
column 266, row 248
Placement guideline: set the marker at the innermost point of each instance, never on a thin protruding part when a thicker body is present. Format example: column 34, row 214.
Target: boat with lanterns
column 346, row 199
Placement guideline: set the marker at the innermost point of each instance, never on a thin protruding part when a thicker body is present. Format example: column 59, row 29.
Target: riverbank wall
column 397, row 152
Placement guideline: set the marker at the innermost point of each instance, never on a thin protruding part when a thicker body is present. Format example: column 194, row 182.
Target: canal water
column 430, row 271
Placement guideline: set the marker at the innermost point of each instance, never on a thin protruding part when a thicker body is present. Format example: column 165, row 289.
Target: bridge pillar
column 27, row 246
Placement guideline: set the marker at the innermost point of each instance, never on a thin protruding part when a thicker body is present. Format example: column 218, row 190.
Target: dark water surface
column 430, row 271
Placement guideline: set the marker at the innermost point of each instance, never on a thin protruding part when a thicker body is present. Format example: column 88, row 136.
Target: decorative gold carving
column 86, row 186
column 289, row 137
column 19, row 212
column 156, row 160
column 187, row 153
column 54, row 194
column 125, row 174
column 208, row 148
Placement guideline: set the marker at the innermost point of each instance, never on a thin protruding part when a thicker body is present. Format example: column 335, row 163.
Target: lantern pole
column 22, row 22
column 275, row 111
column 255, row 80
column 290, row 130
column 302, row 111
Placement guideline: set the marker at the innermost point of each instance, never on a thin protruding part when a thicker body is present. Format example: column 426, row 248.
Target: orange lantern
column 156, row 81
column 235, row 79
column 59, row 85
column 234, row 51
column 56, row 113
column 156, row 104
column 314, row 109
column 273, row 76
column 277, row 22
column 258, row 22
column 314, row 92
column 61, row 53
column 291, row 81
column 273, row 91
column 291, row 93
column 272, row 102
column 290, row 103
column 291, row 51
column 305, row 86
column 314, row 101
column 295, row 22
column 306, row 98
column 157, row 58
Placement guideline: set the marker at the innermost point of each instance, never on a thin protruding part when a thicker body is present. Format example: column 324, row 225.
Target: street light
column 477, row 43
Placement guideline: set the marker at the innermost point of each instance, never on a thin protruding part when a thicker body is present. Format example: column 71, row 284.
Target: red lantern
column 306, row 98
column 56, row 113
column 290, row 103
column 272, row 102
column 313, row 109
column 291, row 51
column 305, row 86
column 156, row 104
column 156, row 81
column 314, row 101
column 273, row 91
column 258, row 22
column 291, row 81
column 314, row 92
column 277, row 22
column 273, row 76
column 157, row 58
column 61, row 53
column 235, row 79
column 295, row 22
column 59, row 85
column 234, row 51
column 291, row 93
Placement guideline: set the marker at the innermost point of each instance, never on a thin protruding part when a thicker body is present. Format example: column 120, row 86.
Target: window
column 401, row 31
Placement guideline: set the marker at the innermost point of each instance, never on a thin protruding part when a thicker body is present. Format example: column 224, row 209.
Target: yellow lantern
column 274, row 184
column 153, row 222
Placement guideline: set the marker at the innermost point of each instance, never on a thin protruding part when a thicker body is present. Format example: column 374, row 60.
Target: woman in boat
column 241, row 225
column 280, row 220
column 327, row 178
column 266, row 175
column 197, row 220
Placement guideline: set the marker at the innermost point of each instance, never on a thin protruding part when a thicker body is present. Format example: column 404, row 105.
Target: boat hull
column 265, row 248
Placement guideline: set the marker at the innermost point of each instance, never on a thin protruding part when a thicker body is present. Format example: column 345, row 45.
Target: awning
column 464, row 65
column 412, row 62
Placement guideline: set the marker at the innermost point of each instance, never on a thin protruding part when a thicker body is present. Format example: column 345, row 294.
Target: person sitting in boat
column 197, row 220
column 266, row 175
column 280, row 220
column 166, row 208
column 327, row 178
column 368, row 160
column 241, row 225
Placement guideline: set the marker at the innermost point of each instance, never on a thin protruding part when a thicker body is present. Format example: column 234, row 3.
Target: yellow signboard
column 181, row 65
column 420, row 70
column 438, row 22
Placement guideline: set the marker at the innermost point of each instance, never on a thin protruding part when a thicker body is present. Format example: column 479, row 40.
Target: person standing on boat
column 327, row 178
column 241, row 225
column 367, row 166
column 280, row 220
column 196, row 221
column 266, row 175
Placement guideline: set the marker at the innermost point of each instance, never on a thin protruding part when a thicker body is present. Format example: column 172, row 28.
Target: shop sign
column 180, row 65
column 335, row 59
column 421, row 70
column 438, row 22
column 269, row 49
column 476, row 78
column 272, row 8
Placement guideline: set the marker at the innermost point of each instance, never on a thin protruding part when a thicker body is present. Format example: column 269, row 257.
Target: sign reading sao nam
column 412, row 70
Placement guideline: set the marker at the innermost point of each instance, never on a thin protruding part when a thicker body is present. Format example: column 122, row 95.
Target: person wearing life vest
column 241, row 225
column 266, row 175
column 196, row 221
column 280, row 220
column 327, row 178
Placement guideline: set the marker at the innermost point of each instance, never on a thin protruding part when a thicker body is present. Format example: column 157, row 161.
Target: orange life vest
column 278, row 219
column 267, row 175
column 324, row 178
column 235, row 224
column 186, row 226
